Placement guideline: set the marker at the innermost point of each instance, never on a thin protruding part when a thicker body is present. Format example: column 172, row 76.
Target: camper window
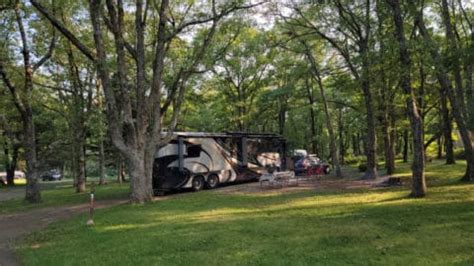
column 194, row 151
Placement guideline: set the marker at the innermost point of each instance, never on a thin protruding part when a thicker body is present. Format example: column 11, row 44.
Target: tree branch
column 66, row 32
column 48, row 54
column 11, row 87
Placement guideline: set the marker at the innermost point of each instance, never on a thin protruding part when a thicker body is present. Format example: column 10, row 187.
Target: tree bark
column 387, row 118
column 342, row 148
column 439, row 141
column 102, row 176
column 447, row 128
column 405, row 146
column 10, row 163
column 418, row 165
column 80, row 167
column 33, row 194
column 371, row 142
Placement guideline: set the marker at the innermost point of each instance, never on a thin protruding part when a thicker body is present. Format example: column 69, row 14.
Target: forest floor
column 325, row 223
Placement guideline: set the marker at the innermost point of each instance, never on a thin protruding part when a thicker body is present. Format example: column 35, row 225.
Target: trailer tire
column 198, row 183
column 212, row 181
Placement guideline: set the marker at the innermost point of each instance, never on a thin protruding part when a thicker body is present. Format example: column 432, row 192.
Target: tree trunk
column 342, row 149
column 32, row 194
column 392, row 140
column 440, row 148
column 447, row 128
column 388, row 150
column 314, row 142
column 282, row 116
column 102, row 180
column 418, row 165
column 371, row 140
column 141, row 172
column 355, row 143
column 80, row 158
column 387, row 130
column 405, row 146
column 10, row 163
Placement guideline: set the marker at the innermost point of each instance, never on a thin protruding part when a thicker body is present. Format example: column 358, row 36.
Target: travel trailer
column 197, row 160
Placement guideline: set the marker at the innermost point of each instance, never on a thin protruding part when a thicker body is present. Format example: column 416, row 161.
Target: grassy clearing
column 302, row 228
column 58, row 194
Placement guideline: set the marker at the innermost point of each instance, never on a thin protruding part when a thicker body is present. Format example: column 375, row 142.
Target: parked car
column 311, row 165
column 18, row 175
column 52, row 175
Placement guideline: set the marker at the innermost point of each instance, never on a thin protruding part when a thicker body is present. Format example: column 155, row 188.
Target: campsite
column 242, row 132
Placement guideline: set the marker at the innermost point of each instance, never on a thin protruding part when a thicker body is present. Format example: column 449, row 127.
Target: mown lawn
column 58, row 194
column 302, row 228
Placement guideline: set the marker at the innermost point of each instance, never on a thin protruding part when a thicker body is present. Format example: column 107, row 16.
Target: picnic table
column 284, row 178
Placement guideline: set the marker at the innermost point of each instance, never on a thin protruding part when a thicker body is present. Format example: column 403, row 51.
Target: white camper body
column 194, row 159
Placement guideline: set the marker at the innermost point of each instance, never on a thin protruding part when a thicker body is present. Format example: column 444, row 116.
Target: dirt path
column 326, row 183
column 13, row 226
column 11, row 193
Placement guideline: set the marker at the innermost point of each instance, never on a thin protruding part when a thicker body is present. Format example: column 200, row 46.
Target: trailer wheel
column 212, row 181
column 198, row 183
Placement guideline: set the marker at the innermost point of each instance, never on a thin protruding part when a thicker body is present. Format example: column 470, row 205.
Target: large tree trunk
column 418, row 166
column 32, row 194
column 140, row 191
column 80, row 158
column 371, row 140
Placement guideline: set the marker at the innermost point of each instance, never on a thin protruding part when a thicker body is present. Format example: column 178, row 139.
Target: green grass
column 58, row 194
column 301, row 228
